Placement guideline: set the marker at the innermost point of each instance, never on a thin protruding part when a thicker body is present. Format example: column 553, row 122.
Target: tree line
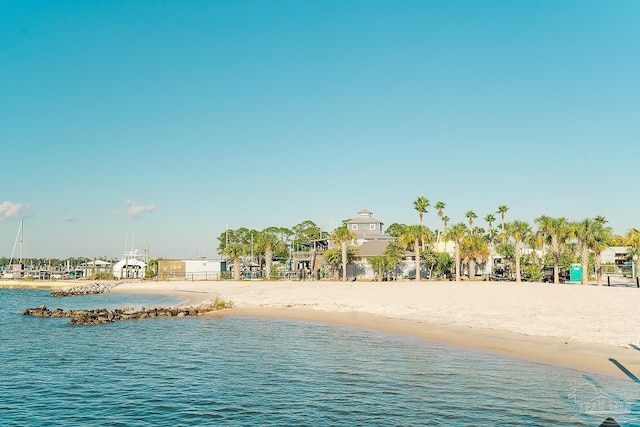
column 561, row 241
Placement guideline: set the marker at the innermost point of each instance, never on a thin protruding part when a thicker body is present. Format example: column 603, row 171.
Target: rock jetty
column 92, row 289
column 102, row 315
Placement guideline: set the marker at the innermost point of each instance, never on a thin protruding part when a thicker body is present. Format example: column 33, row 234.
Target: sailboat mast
column 19, row 239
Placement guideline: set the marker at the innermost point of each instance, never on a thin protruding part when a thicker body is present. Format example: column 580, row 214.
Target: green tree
column 471, row 215
column 584, row 232
column 555, row 232
column 632, row 241
column 455, row 234
column 308, row 231
column 602, row 237
column 333, row 257
column 445, row 221
column 268, row 242
column 396, row 230
column 235, row 244
column 411, row 238
column 518, row 231
column 440, row 207
column 421, row 204
column 341, row 236
column 443, row 265
column 396, row 253
column 473, row 249
column 380, row 264
column 490, row 219
column 502, row 210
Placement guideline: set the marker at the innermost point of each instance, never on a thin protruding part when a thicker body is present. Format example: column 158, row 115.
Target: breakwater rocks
column 92, row 289
column 102, row 315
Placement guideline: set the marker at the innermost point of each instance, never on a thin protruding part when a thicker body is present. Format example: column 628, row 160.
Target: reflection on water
column 256, row 371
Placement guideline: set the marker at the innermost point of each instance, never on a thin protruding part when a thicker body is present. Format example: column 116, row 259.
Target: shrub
column 102, row 275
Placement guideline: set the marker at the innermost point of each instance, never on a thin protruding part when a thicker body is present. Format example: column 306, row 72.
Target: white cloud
column 10, row 210
column 135, row 210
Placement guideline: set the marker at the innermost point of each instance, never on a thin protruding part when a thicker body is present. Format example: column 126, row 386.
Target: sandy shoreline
column 579, row 327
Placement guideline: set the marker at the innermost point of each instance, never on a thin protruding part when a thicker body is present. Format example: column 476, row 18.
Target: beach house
column 371, row 242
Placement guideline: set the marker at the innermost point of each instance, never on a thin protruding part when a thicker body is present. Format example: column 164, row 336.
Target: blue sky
column 159, row 123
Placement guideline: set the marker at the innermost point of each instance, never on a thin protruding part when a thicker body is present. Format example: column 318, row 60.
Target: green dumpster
column 575, row 273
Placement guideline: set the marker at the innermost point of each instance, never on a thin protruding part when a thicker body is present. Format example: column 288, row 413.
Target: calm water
column 254, row 372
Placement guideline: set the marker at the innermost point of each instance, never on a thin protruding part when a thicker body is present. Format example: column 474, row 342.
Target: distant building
column 615, row 255
column 190, row 269
column 90, row 268
column 371, row 242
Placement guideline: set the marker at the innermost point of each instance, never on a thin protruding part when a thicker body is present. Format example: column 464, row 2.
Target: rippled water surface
column 253, row 372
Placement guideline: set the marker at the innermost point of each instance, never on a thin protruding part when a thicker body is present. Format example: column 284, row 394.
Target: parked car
column 548, row 277
column 500, row 274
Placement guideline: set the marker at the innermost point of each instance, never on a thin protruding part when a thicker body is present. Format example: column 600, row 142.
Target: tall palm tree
column 632, row 241
column 601, row 240
column 471, row 215
column 411, row 239
column 555, row 232
column 445, row 222
column 502, row 210
column 342, row 235
column 518, row 231
column 421, row 204
column 490, row 220
column 440, row 207
column 455, row 234
column 584, row 232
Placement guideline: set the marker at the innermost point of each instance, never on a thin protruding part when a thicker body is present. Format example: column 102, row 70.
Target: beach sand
column 587, row 328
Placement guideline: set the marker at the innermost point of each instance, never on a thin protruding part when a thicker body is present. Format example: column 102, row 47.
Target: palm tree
column 555, row 232
column 381, row 264
column 601, row 240
column 445, row 221
column 411, row 238
column 440, row 207
column 490, row 220
column 518, row 231
column 341, row 236
column 632, row 241
column 268, row 243
column 471, row 215
column 421, row 204
column 455, row 234
column 584, row 232
column 235, row 244
column 502, row 209
column 473, row 248
column 395, row 253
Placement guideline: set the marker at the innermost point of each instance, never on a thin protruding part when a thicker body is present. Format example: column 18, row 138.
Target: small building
column 191, row 269
column 615, row 255
column 90, row 268
column 370, row 242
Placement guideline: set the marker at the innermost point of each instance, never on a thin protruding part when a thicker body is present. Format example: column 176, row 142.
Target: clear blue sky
column 163, row 122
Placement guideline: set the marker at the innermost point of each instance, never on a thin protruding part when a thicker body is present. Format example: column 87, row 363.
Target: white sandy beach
column 580, row 327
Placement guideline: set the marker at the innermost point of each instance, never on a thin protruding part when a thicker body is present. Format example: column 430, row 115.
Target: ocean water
column 250, row 371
